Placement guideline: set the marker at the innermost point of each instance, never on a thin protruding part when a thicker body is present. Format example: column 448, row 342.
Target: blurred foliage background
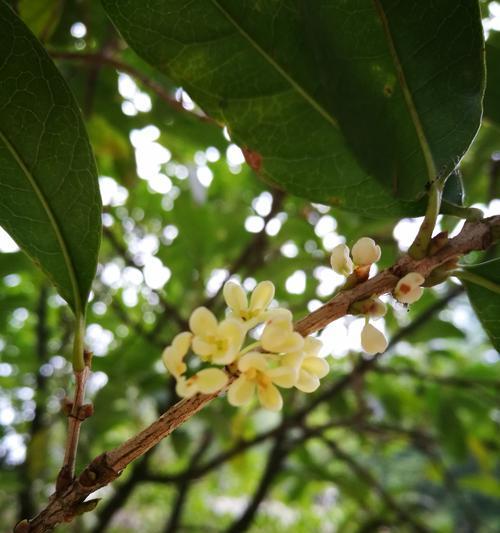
column 409, row 444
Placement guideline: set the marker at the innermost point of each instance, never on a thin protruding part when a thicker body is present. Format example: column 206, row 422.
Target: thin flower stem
column 249, row 348
column 418, row 250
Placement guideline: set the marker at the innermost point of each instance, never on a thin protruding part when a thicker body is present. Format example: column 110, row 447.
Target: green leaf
column 49, row 195
column 492, row 93
column 485, row 302
column 436, row 329
column 326, row 114
column 41, row 16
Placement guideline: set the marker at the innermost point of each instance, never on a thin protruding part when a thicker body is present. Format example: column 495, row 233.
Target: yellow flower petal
column 210, row 380
column 262, row 296
column 233, row 331
column 312, row 345
column 185, row 388
column 278, row 336
column 270, row 397
column 293, row 359
column 240, row 391
column 307, row 382
column 182, row 341
column 255, row 360
column 202, row 347
column 316, row 366
column 202, row 322
column 235, row 297
column 173, row 361
column 283, row 376
column 292, row 343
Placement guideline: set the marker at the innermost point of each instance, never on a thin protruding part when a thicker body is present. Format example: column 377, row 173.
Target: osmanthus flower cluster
column 281, row 358
column 355, row 264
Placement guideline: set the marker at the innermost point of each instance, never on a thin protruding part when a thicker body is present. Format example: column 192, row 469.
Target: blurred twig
column 123, row 252
column 275, row 459
column 26, row 501
column 184, row 485
column 252, row 255
column 104, row 58
column 367, row 477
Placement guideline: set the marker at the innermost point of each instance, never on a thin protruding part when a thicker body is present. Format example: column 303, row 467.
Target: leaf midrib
column 315, row 104
column 410, row 104
column 50, row 215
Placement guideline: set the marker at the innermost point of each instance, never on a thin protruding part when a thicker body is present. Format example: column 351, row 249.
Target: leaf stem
column 76, row 411
column 78, row 347
column 249, row 348
column 467, row 275
column 418, row 250
column 468, row 213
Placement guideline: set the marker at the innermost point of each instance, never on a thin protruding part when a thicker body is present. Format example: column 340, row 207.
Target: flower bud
column 365, row 252
column 373, row 340
column 408, row 289
column 340, row 260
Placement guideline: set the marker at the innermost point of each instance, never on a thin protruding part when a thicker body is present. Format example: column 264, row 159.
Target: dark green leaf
column 485, row 302
column 436, row 329
column 41, row 16
column 331, row 127
column 49, row 197
column 492, row 93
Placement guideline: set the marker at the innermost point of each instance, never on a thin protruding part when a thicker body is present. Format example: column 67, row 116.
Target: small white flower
column 408, row 289
column 365, row 252
column 279, row 337
column 377, row 308
column 255, row 312
column 256, row 373
column 340, row 260
column 373, row 340
column 311, row 368
column 173, row 356
column 215, row 342
column 206, row 381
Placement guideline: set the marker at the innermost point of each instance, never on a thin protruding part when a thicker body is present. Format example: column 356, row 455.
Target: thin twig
column 275, row 459
column 454, row 381
column 105, row 59
column 123, row 252
column 183, row 487
column 364, row 474
column 252, row 255
column 77, row 412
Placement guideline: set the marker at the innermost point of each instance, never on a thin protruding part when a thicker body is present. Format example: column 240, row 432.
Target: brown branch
column 77, row 412
column 474, row 236
column 107, row 467
column 118, row 499
column 105, row 59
